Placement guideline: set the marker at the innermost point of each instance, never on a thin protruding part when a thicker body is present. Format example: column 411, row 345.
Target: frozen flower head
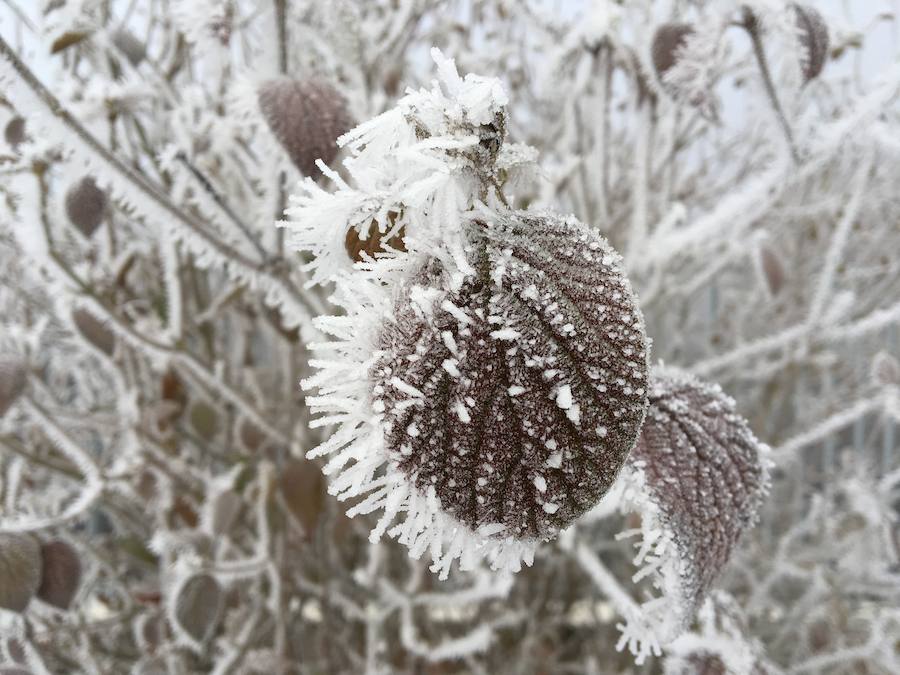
column 702, row 476
column 489, row 375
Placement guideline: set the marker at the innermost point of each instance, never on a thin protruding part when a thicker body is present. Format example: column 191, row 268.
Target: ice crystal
column 706, row 473
column 518, row 396
column 307, row 117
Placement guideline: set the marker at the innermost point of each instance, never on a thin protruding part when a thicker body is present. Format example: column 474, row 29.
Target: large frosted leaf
column 60, row 574
column 706, row 473
column 519, row 394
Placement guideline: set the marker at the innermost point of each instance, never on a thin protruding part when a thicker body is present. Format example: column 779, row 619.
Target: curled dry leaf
column 518, row 396
column 706, row 472
column 86, row 206
column 303, row 487
column 812, row 31
column 667, row 42
column 94, row 331
column 13, row 379
column 60, row 574
column 198, row 607
column 20, row 570
column 307, row 117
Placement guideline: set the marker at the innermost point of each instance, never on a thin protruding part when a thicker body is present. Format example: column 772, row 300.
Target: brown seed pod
column 86, row 206
column 667, row 42
column 306, row 117
column 15, row 132
column 60, row 574
column 373, row 244
column 517, row 397
column 94, row 331
column 198, row 607
column 20, row 570
column 127, row 43
column 705, row 471
column 813, row 35
column 13, row 379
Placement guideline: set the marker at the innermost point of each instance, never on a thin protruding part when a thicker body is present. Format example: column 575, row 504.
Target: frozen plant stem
column 750, row 23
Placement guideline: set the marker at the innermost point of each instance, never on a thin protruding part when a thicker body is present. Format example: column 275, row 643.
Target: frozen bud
column 302, row 487
column 94, row 331
column 374, row 242
column 886, row 369
column 812, row 31
column 127, row 43
column 60, row 574
column 198, row 607
column 86, row 206
column 12, row 381
column 306, row 117
column 706, row 473
column 15, row 132
column 517, row 396
column 20, row 570
column 669, row 39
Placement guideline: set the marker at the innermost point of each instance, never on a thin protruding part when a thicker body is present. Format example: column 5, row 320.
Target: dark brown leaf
column 60, row 574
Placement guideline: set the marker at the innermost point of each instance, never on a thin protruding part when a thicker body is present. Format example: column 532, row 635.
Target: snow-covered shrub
column 595, row 311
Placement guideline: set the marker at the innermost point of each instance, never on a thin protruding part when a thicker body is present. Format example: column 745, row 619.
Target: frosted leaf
column 12, row 381
column 20, row 570
column 886, row 369
column 128, row 43
column 812, row 31
column 770, row 268
column 14, row 134
column 668, row 41
column 60, row 574
column 86, row 206
column 307, row 117
column 302, row 487
column 549, row 315
column 198, row 607
column 706, row 473
column 94, row 331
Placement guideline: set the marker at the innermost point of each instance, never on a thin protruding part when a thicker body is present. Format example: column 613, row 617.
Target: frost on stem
column 517, row 397
column 705, row 474
column 307, row 117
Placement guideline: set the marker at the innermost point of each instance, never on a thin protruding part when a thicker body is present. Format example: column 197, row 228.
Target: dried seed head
column 374, row 243
column 667, row 42
column 60, row 574
column 705, row 471
column 20, row 570
column 127, row 43
column 813, row 35
column 15, row 132
column 518, row 396
column 94, row 331
column 86, row 206
column 307, row 117
column 198, row 607
column 12, row 381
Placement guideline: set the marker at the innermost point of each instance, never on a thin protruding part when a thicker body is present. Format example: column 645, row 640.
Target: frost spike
column 20, row 570
column 60, row 574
